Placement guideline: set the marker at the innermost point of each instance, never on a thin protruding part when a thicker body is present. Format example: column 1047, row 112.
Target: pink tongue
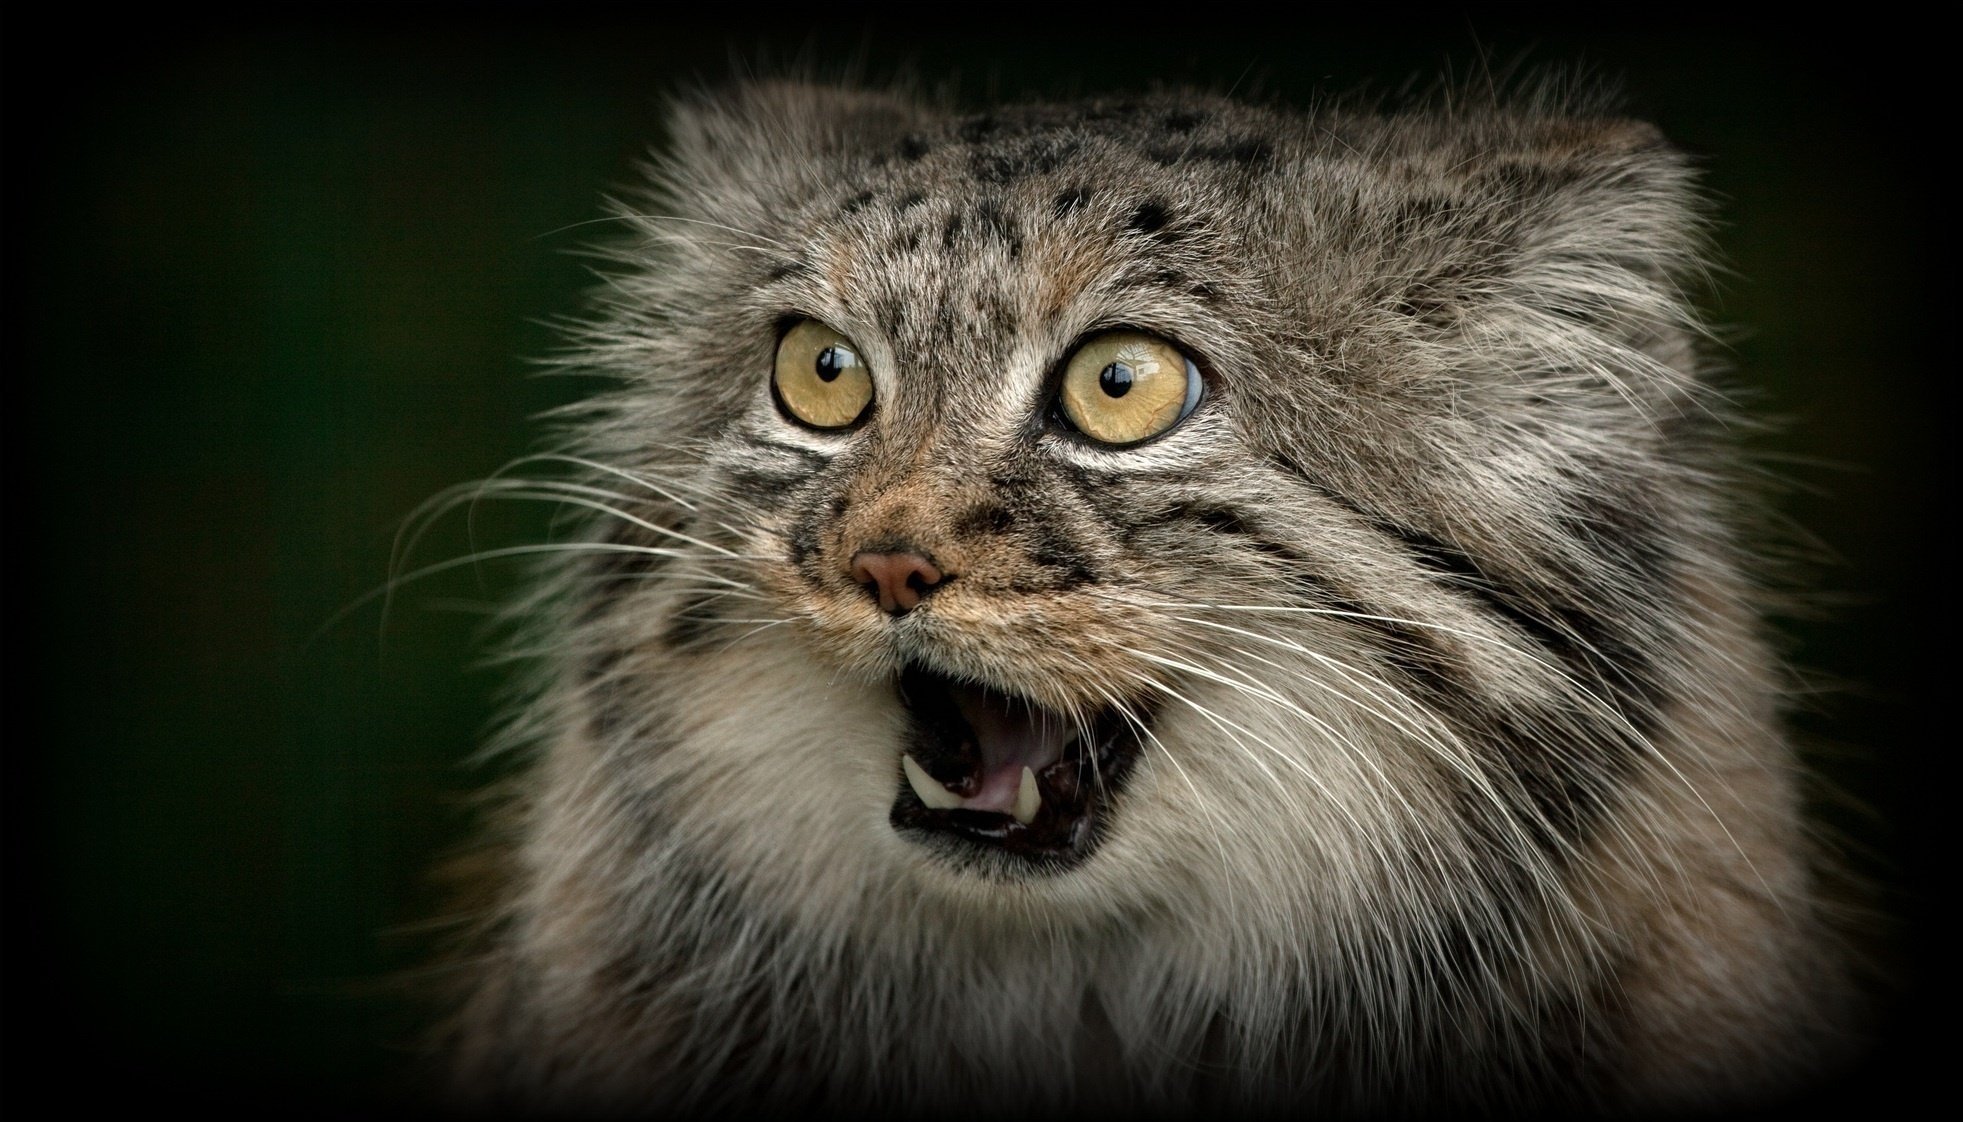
column 1012, row 735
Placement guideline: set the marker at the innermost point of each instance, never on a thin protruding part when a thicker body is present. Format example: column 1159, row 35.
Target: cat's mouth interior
column 997, row 771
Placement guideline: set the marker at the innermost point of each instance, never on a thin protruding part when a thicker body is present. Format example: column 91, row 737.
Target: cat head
column 1277, row 494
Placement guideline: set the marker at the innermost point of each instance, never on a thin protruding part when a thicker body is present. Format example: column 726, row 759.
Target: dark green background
column 271, row 285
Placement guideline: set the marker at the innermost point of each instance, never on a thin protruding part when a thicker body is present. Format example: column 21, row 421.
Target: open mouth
column 986, row 772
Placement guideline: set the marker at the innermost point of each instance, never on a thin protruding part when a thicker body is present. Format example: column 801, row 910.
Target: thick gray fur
column 1465, row 783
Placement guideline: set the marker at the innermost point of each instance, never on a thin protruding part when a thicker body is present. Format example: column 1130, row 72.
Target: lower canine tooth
column 931, row 793
column 1028, row 799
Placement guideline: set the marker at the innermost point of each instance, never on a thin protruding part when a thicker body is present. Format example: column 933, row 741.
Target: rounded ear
column 1620, row 238
column 740, row 152
column 1564, row 243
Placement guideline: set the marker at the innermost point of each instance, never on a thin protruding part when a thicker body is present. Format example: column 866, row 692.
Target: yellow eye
column 1126, row 386
column 820, row 378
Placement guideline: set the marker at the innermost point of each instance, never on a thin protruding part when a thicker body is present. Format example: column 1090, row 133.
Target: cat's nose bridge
column 895, row 537
column 905, row 515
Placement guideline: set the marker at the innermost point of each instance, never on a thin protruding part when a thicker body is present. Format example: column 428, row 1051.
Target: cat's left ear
column 1569, row 244
column 1620, row 246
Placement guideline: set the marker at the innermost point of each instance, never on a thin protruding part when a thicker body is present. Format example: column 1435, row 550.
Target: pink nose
column 899, row 580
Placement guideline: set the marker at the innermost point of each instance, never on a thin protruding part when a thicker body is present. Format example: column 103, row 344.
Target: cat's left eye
column 1123, row 387
column 820, row 378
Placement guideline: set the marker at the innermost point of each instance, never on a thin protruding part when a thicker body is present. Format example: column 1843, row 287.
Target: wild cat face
column 983, row 493
column 974, row 535
column 996, row 457
column 1173, row 469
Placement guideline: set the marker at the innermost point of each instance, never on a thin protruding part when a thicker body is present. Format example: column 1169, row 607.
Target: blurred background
column 272, row 283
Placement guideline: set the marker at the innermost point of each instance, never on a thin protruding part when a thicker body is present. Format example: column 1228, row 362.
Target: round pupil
column 1115, row 380
column 832, row 362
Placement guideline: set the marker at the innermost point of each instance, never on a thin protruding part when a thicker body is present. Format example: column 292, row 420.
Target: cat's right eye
column 820, row 378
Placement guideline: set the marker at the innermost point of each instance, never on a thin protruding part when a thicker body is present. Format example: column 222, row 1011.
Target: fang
column 1028, row 799
column 935, row 796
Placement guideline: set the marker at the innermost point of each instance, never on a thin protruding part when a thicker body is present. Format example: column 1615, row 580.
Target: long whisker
column 633, row 216
column 478, row 557
column 1235, row 730
column 1451, row 752
column 604, row 469
column 1582, row 691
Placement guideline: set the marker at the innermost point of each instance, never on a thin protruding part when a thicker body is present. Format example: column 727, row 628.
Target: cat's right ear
column 741, row 154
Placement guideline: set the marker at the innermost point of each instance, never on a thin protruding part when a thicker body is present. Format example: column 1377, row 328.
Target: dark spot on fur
column 1067, row 201
column 1298, row 571
column 990, row 219
column 858, row 202
column 1434, row 297
column 1537, row 780
column 913, row 146
column 1596, row 313
column 1420, row 658
column 1404, row 645
column 1038, row 155
column 977, row 129
column 1181, row 120
column 1169, row 278
column 780, row 269
column 1536, row 783
column 1436, row 555
column 889, row 312
column 1149, row 218
column 609, row 711
column 951, row 232
column 988, row 518
column 627, row 734
column 992, row 308
column 1204, row 291
column 908, row 201
column 910, row 240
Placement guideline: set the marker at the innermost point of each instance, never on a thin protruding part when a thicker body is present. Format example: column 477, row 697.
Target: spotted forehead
column 1004, row 235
